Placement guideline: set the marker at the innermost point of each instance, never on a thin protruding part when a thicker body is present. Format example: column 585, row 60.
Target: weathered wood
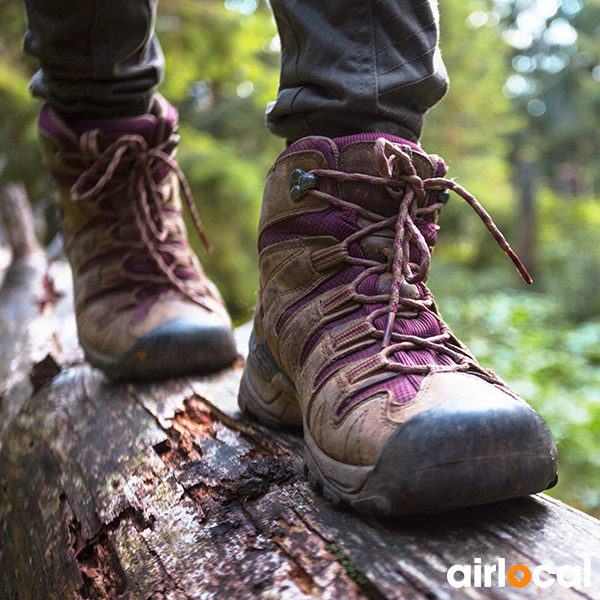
column 166, row 491
column 26, row 298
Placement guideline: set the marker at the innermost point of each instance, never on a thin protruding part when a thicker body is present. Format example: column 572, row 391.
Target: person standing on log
column 398, row 416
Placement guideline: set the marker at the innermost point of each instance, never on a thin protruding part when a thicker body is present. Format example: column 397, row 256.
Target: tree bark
column 165, row 491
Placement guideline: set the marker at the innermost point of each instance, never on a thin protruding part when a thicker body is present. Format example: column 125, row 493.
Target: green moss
column 351, row 568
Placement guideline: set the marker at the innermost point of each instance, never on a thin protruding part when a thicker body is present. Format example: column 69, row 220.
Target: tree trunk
column 165, row 491
column 526, row 180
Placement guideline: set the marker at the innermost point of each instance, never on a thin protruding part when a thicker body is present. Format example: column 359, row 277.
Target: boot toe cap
column 463, row 451
column 181, row 346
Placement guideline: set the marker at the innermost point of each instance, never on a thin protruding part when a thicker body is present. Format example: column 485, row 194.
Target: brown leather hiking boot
column 398, row 416
column 145, row 309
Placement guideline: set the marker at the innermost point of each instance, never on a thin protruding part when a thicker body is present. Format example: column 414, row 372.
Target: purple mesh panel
column 141, row 266
column 93, row 224
column 148, row 266
column 102, row 294
column 371, row 137
column 370, row 286
column 333, row 222
column 111, row 257
column 319, row 144
column 350, row 358
column 279, row 234
column 424, row 325
column 337, row 223
column 328, row 222
column 344, row 277
column 167, row 257
column 404, row 387
column 153, row 290
column 184, row 273
column 144, row 125
column 441, row 169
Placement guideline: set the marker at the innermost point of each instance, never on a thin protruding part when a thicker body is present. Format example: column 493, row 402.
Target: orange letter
column 516, row 582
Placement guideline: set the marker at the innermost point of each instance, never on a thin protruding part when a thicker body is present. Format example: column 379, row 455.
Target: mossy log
column 165, row 491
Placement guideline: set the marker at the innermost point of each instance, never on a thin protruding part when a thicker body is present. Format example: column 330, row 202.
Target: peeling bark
column 166, row 492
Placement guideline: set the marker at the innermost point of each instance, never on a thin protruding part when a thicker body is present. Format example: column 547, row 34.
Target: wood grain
column 165, row 491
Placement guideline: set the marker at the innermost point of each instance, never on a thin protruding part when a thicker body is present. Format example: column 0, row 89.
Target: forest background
column 519, row 128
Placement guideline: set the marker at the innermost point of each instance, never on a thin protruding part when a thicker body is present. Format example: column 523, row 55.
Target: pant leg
column 355, row 66
column 99, row 58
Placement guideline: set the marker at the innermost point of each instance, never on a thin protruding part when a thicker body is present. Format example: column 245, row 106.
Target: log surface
column 165, row 491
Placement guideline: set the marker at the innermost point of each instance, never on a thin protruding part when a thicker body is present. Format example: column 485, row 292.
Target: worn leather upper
column 316, row 308
column 121, row 209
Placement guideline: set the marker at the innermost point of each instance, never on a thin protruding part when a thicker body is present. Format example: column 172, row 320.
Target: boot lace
column 401, row 180
column 130, row 165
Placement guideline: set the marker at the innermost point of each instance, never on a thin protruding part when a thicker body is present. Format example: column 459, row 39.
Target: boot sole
column 176, row 348
column 450, row 456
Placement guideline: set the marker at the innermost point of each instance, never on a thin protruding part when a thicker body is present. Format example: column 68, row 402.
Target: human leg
column 356, row 66
column 398, row 416
column 99, row 59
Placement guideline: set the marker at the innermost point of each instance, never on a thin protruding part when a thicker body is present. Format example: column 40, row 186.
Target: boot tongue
column 153, row 127
column 357, row 155
column 144, row 125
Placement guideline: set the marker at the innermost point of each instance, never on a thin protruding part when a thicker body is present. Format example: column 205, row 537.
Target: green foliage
column 474, row 116
column 569, row 249
column 18, row 135
column 551, row 363
column 469, row 127
column 228, row 186
column 221, row 72
column 19, row 154
column 350, row 567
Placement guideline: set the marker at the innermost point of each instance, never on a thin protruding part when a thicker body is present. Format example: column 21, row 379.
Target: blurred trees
column 222, row 69
column 556, row 84
column 19, row 155
column 520, row 127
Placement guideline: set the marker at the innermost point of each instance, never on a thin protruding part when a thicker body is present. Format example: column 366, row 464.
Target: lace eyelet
column 300, row 183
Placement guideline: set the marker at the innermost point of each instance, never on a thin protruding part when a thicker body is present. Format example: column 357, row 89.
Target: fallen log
column 26, row 299
column 165, row 491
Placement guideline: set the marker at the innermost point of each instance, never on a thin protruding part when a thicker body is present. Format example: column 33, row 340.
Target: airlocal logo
column 499, row 575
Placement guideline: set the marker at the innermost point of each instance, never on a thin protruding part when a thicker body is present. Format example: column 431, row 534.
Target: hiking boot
column 398, row 416
column 145, row 309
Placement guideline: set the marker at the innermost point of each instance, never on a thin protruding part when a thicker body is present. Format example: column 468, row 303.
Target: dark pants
column 347, row 66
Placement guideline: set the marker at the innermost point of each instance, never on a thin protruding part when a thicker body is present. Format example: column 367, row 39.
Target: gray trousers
column 347, row 66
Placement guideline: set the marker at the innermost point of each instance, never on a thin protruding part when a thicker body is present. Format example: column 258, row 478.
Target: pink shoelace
column 400, row 179
column 146, row 165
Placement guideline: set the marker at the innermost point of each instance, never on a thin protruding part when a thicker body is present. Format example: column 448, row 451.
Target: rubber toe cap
column 463, row 451
column 182, row 346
